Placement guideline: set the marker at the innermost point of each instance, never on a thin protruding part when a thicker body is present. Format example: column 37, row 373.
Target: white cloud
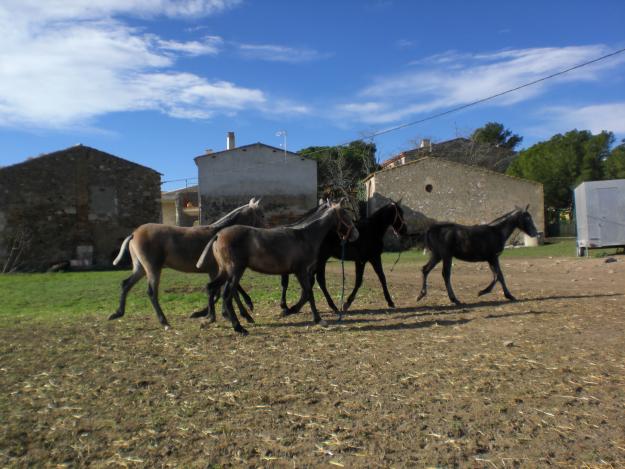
column 610, row 116
column 451, row 79
column 276, row 53
column 65, row 63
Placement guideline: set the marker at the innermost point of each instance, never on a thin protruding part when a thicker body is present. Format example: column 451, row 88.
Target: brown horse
column 275, row 251
column 154, row 246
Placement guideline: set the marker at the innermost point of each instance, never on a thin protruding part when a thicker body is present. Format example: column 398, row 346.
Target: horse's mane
column 310, row 220
column 225, row 220
column 310, row 215
column 503, row 217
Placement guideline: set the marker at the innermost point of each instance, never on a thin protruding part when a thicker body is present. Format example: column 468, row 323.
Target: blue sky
column 160, row 81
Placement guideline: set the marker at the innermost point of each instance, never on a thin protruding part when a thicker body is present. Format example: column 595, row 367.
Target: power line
column 479, row 101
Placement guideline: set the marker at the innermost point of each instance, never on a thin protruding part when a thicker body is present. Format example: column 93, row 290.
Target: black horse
column 367, row 248
column 475, row 243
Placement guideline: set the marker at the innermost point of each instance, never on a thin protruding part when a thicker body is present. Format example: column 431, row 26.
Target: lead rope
column 397, row 260
column 343, row 243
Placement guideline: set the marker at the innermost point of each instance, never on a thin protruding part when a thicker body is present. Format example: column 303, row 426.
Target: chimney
column 230, row 141
column 208, row 151
column 426, row 143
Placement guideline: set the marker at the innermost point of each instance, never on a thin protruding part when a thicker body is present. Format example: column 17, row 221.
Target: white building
column 286, row 182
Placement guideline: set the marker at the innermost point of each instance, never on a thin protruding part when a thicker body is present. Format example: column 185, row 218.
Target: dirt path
column 491, row 384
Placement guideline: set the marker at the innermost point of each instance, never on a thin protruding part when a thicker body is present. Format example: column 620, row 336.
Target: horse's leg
column 447, row 277
column 246, row 297
column 137, row 274
column 425, row 270
column 321, row 279
column 360, row 268
column 506, row 292
column 242, row 309
column 154, row 276
column 377, row 266
column 490, row 286
column 307, row 295
column 229, row 289
column 284, row 282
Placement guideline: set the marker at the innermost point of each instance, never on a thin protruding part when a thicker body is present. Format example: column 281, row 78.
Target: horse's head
column 252, row 215
column 525, row 222
column 345, row 227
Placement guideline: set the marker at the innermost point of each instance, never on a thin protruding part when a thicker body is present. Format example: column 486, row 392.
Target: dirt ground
column 535, row 383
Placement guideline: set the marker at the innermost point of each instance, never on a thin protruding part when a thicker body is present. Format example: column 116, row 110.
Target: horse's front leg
column 377, row 266
column 490, row 286
column 304, row 279
column 447, row 277
column 499, row 273
column 321, row 279
column 425, row 271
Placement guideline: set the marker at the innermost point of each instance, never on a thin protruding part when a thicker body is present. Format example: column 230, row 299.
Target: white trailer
column 600, row 214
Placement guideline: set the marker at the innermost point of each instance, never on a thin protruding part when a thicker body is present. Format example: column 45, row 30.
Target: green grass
column 47, row 296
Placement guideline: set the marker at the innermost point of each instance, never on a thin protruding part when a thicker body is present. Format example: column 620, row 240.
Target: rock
column 508, row 343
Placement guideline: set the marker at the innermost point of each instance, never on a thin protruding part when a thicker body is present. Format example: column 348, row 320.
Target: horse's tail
column 207, row 249
column 122, row 250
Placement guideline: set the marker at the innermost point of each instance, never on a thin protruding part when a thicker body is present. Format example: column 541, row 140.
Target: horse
column 275, row 251
column 154, row 246
column 367, row 248
column 477, row 243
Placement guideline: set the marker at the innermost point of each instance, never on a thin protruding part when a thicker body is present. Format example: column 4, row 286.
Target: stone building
column 285, row 182
column 443, row 190
column 180, row 207
column 72, row 206
column 460, row 150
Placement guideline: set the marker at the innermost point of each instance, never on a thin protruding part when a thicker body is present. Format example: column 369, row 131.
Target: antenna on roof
column 282, row 133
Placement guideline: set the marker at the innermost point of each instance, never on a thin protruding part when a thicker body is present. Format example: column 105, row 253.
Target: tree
column 614, row 165
column 562, row 163
column 495, row 134
column 340, row 169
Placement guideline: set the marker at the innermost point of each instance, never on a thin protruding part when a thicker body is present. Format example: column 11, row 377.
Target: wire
column 479, row 101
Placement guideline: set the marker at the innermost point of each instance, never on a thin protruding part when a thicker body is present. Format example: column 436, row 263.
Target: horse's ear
column 252, row 202
column 527, row 208
column 257, row 203
column 399, row 201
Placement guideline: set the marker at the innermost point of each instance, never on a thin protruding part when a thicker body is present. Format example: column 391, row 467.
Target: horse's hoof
column 345, row 307
column 241, row 330
column 391, row 305
column 511, row 298
column 166, row 327
column 420, row 297
column 115, row 315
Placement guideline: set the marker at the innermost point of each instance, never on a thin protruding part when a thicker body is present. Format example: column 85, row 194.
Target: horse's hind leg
column 246, row 297
column 360, row 269
column 284, row 283
column 229, row 289
column 137, row 274
column 127, row 285
column 377, row 266
column 242, row 309
column 425, row 270
column 153, row 283
column 447, row 277
column 506, row 292
column 490, row 286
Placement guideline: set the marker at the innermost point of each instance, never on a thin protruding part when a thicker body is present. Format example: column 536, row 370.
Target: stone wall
column 434, row 188
column 74, row 204
column 286, row 184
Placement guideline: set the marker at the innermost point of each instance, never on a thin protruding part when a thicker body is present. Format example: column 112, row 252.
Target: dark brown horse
column 477, row 243
column 154, row 246
column 276, row 251
column 367, row 248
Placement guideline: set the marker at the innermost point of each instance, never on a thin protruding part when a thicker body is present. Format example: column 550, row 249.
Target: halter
column 397, row 217
column 341, row 222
